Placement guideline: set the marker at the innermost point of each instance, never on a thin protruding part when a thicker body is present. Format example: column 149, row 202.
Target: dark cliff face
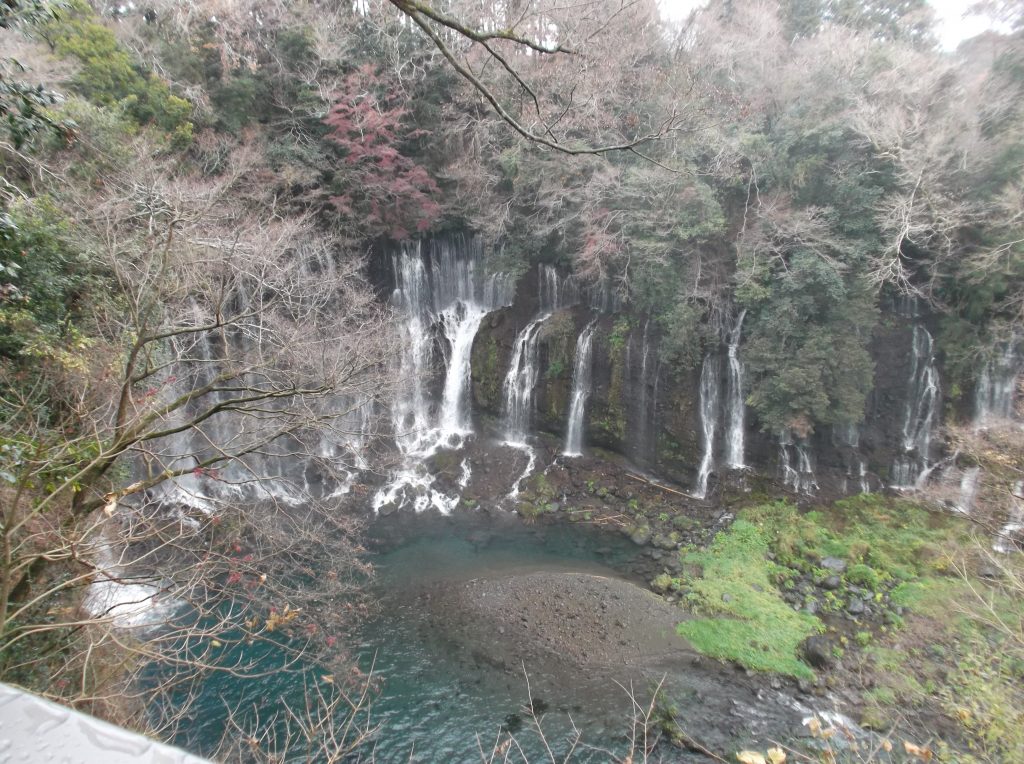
column 650, row 411
column 491, row 356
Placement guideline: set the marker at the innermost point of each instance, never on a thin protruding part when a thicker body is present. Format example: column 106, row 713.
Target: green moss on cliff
column 559, row 341
column 559, row 338
column 487, row 377
column 608, row 418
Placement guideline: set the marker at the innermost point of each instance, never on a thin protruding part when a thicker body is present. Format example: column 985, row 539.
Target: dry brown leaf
column 750, row 757
column 924, row 753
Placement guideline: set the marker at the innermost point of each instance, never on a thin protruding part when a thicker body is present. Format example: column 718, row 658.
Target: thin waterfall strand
column 996, row 386
column 911, row 468
column 735, row 404
column 708, row 422
column 521, row 381
column 581, row 380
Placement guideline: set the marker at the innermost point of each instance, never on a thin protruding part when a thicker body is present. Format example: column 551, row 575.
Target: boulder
column 831, row 583
column 641, row 536
column 663, row 542
column 817, row 651
column 834, row 564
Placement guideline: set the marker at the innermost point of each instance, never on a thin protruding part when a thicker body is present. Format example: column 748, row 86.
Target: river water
column 441, row 699
column 437, row 695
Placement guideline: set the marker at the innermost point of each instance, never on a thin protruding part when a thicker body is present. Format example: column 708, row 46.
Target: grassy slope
column 943, row 642
column 748, row 621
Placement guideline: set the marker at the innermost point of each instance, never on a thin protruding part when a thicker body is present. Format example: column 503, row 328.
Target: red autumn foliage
column 386, row 192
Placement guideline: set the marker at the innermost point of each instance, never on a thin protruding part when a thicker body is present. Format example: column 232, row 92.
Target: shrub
column 863, row 575
column 110, row 77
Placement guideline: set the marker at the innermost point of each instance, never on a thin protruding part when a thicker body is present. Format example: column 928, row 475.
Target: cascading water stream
column 846, row 437
column 968, row 489
column 709, row 374
column 460, row 324
column 602, row 298
column 291, row 468
column 581, row 380
column 644, row 402
column 554, row 293
column 440, row 292
column 410, row 416
column 997, row 384
column 734, row 402
column 1011, row 536
column 911, row 468
column 521, row 381
column 800, row 478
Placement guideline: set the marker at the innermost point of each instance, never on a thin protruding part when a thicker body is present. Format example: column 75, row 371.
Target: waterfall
column 906, row 306
column 128, row 599
column 292, row 468
column 410, row 415
column 732, row 408
column 846, row 438
column 709, row 374
column 911, row 468
column 640, row 444
column 460, row 324
column 1011, row 536
column 734, row 402
column 521, row 381
column 441, row 292
column 996, row 387
column 968, row 489
column 800, row 478
column 581, row 378
column 453, row 298
column 602, row 298
column 554, row 293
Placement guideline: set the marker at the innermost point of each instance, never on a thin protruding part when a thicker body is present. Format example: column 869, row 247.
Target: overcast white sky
column 953, row 26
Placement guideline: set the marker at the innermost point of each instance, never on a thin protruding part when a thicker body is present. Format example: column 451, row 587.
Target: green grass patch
column 931, row 597
column 746, row 620
column 881, row 538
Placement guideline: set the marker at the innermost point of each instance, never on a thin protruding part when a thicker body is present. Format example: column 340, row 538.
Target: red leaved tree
column 382, row 189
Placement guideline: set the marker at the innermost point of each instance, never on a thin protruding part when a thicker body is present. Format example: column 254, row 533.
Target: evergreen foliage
column 109, row 76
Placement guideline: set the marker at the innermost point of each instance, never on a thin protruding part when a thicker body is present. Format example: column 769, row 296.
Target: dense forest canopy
column 796, row 159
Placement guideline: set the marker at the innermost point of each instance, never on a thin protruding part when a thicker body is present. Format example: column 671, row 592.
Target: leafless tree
column 643, row 733
column 172, row 483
